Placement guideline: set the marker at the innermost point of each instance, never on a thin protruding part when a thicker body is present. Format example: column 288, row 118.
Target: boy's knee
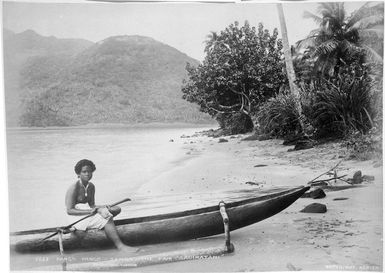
column 115, row 210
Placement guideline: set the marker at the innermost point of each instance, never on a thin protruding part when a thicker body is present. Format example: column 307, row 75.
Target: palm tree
column 339, row 39
column 289, row 67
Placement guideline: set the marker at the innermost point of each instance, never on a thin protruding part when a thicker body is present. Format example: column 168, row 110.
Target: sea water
column 41, row 166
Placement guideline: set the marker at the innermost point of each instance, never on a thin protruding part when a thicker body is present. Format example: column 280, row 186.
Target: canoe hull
column 167, row 228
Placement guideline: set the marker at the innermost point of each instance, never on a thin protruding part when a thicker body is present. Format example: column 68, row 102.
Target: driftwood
column 332, row 169
column 329, row 179
column 138, row 261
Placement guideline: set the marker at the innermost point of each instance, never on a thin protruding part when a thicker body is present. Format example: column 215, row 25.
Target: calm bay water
column 41, row 166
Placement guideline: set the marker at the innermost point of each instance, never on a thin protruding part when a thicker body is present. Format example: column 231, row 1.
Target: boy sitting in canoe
column 80, row 201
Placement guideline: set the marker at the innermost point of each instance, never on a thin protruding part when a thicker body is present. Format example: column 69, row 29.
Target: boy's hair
column 82, row 163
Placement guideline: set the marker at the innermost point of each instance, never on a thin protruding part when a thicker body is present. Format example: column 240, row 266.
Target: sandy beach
column 347, row 237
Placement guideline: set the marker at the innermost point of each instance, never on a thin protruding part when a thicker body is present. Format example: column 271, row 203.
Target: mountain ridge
column 123, row 79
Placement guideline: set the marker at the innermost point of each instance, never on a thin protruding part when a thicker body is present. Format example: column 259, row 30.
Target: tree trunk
column 289, row 67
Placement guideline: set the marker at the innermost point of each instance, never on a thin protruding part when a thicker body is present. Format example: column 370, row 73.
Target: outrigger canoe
column 178, row 226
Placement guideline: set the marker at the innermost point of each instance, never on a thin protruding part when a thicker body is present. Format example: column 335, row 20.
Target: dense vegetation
column 122, row 79
column 338, row 71
column 242, row 68
column 31, row 64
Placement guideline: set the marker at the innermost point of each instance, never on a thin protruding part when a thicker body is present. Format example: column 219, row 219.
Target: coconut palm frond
column 327, row 30
column 326, row 47
column 332, row 10
column 372, row 55
column 366, row 11
column 326, row 7
column 379, row 31
column 350, row 47
column 367, row 22
column 377, row 7
column 340, row 37
column 314, row 32
column 352, row 35
column 341, row 14
column 307, row 42
column 309, row 15
column 357, row 15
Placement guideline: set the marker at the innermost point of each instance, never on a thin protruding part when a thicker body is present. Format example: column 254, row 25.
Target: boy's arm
column 91, row 201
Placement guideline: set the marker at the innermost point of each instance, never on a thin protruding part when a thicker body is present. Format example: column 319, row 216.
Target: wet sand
column 347, row 237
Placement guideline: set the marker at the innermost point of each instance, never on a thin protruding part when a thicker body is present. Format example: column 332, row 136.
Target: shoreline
column 152, row 125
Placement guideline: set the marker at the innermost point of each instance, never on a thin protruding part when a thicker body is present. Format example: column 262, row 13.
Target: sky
column 184, row 26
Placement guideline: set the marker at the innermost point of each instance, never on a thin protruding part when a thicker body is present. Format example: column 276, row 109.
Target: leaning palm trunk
column 289, row 67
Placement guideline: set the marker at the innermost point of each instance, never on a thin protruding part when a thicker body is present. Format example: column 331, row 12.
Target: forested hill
column 122, row 79
column 24, row 50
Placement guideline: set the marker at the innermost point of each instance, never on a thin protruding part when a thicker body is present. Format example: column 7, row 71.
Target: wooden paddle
column 89, row 215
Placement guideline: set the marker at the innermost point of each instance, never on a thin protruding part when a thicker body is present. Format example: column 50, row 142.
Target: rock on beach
column 315, row 194
column 315, row 208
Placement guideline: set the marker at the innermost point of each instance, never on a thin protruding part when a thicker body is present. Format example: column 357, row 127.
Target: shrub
column 343, row 106
column 237, row 123
column 278, row 116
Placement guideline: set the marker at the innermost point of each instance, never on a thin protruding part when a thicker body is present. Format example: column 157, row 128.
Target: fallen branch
column 325, row 180
column 310, row 182
column 347, row 181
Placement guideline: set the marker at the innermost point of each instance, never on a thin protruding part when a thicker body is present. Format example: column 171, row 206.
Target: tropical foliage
column 341, row 39
column 342, row 106
column 243, row 67
column 278, row 117
column 339, row 68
